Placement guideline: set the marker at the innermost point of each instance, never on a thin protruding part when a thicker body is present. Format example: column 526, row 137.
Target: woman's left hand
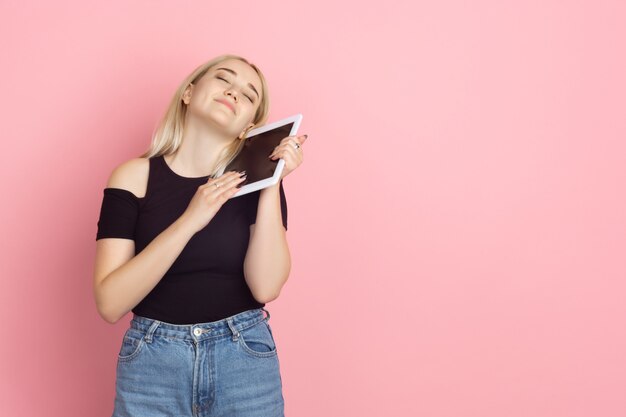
column 290, row 153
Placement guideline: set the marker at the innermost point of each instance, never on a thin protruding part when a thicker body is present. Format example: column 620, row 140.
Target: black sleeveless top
column 206, row 282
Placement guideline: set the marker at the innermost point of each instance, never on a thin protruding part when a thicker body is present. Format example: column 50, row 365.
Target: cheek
column 204, row 99
column 206, row 91
column 214, row 85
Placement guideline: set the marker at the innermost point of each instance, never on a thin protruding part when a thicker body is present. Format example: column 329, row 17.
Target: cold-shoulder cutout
column 131, row 176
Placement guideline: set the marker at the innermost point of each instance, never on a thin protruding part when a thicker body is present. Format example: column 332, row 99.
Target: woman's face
column 228, row 95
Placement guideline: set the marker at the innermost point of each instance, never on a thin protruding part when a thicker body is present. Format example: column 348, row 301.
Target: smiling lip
column 226, row 103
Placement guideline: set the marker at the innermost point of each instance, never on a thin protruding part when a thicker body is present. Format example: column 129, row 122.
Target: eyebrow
column 233, row 72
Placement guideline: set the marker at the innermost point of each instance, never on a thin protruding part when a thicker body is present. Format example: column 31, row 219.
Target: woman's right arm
column 121, row 279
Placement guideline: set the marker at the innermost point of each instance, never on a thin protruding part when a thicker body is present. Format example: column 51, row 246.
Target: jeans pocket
column 258, row 341
column 132, row 343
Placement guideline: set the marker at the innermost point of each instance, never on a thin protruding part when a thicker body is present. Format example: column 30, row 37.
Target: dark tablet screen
column 253, row 157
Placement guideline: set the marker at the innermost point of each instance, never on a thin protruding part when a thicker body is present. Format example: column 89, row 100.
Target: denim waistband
column 196, row 332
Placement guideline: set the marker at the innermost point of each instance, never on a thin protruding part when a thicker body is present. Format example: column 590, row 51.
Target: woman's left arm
column 268, row 262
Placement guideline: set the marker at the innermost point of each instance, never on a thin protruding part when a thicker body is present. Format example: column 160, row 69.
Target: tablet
column 261, row 171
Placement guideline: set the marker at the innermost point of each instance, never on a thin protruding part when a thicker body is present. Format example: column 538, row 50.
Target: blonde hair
column 168, row 135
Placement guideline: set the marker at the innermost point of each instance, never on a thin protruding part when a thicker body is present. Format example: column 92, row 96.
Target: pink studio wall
column 457, row 228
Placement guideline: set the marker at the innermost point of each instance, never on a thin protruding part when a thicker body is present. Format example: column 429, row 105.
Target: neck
column 201, row 148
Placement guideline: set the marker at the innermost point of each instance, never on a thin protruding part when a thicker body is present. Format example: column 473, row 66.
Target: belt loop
column 233, row 329
column 151, row 330
column 268, row 314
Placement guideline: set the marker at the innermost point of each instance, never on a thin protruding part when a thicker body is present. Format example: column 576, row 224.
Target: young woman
column 193, row 265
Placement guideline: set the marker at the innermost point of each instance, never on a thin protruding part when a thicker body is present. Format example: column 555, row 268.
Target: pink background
column 457, row 228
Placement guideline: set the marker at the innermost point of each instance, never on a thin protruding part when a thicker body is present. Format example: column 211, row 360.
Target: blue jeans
column 222, row 368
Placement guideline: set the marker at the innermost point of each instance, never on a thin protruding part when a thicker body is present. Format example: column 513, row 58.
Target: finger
column 294, row 140
column 291, row 147
column 296, row 143
column 226, row 181
column 229, row 189
column 277, row 153
column 288, row 145
column 231, row 175
column 286, row 153
column 219, row 180
column 233, row 181
column 224, row 175
column 299, row 139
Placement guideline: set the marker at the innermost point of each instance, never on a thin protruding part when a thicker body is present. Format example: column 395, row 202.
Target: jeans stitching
column 253, row 352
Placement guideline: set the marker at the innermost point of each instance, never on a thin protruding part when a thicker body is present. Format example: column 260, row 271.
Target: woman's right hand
column 208, row 199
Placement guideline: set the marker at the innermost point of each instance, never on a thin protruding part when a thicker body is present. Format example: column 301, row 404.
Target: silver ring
column 297, row 145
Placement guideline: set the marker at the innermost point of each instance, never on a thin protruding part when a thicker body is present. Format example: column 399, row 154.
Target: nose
column 230, row 93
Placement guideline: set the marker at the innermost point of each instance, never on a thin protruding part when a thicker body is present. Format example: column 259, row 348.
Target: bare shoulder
column 132, row 176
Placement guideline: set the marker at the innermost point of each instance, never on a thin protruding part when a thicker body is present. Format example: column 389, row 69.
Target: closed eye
column 220, row 78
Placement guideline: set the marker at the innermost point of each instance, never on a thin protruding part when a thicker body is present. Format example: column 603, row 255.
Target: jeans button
column 197, row 331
